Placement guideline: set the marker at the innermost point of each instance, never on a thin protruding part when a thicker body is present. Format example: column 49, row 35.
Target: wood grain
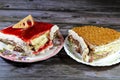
column 66, row 14
column 62, row 5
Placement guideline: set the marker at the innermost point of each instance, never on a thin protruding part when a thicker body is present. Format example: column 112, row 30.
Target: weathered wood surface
column 66, row 14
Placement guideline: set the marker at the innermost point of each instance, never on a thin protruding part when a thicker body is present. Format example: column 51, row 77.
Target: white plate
column 42, row 56
column 107, row 61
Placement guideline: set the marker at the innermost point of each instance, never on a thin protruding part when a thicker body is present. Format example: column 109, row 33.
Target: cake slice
column 31, row 40
column 94, row 42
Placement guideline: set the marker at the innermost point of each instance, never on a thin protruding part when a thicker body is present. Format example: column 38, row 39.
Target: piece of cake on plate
column 94, row 43
column 28, row 37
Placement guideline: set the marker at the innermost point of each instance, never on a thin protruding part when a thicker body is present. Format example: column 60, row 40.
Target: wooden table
column 65, row 14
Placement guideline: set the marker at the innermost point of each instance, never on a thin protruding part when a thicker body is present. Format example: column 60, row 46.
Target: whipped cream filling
column 53, row 30
column 19, row 42
column 110, row 47
column 84, row 47
column 12, row 38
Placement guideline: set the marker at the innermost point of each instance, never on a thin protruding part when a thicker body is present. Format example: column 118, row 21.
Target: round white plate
column 42, row 56
column 107, row 61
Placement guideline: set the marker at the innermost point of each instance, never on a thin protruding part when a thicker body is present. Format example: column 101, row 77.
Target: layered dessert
column 94, row 43
column 29, row 38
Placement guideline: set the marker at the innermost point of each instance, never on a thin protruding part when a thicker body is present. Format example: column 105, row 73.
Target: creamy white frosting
column 53, row 30
column 83, row 45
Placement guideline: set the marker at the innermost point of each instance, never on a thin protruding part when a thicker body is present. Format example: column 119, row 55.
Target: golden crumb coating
column 97, row 35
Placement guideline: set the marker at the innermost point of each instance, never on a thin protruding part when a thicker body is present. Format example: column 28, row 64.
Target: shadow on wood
column 69, row 61
column 21, row 64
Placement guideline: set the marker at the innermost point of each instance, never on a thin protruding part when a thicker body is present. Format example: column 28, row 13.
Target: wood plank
column 63, row 5
column 57, row 68
column 60, row 69
column 62, row 17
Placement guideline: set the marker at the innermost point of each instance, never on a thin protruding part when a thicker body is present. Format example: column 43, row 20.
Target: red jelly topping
column 29, row 33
